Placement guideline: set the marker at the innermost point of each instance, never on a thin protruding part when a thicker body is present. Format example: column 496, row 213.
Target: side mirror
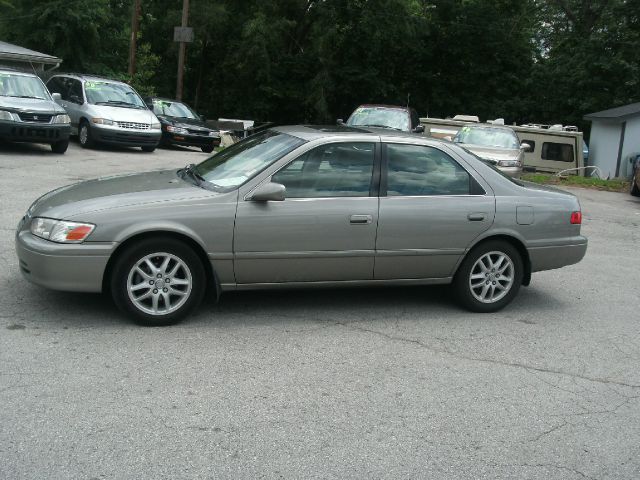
column 56, row 97
column 525, row 146
column 448, row 137
column 340, row 121
column 419, row 129
column 269, row 192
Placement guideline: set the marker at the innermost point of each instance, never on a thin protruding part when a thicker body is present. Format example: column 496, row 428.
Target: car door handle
column 476, row 217
column 360, row 219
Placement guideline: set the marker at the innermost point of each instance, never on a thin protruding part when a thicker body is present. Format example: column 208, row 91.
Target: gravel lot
column 377, row 383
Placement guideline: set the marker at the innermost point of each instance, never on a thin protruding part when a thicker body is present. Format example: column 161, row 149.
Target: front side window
column 557, row 152
column 75, row 92
column 22, row 86
column 488, row 137
column 242, row 161
column 116, row 94
column 415, row 170
column 332, row 170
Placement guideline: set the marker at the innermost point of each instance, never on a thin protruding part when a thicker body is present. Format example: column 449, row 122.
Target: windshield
column 242, row 161
column 487, row 137
column 117, row 94
column 172, row 109
column 12, row 85
column 379, row 117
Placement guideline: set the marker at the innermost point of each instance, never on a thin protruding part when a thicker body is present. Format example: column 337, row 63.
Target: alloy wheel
column 491, row 277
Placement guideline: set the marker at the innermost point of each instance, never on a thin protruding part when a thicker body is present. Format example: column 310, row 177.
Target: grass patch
column 576, row 181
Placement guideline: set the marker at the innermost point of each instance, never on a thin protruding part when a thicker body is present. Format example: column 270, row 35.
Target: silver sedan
column 301, row 207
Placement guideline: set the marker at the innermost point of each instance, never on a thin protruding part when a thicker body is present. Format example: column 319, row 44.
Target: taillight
column 576, row 218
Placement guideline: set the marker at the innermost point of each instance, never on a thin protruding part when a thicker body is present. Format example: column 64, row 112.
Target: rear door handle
column 360, row 219
column 476, row 217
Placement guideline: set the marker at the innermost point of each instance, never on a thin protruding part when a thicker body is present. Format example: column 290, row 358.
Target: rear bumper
column 556, row 256
column 74, row 268
column 134, row 138
column 34, row 132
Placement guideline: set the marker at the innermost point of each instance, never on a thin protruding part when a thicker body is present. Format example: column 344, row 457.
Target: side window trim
column 475, row 188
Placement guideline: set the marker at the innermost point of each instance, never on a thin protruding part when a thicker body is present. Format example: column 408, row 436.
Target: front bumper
column 556, row 256
column 189, row 140
column 34, row 132
column 68, row 267
column 126, row 138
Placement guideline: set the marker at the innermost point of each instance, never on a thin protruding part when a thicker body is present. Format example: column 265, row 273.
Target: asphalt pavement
column 359, row 383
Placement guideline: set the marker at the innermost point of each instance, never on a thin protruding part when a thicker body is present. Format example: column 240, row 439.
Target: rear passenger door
column 431, row 210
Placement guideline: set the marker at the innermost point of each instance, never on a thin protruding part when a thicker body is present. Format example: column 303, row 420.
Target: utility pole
column 135, row 16
column 183, row 45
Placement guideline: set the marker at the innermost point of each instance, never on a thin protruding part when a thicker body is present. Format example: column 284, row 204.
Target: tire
column 488, row 259
column 60, row 147
column 182, row 273
column 635, row 191
column 207, row 148
column 84, row 135
column 148, row 149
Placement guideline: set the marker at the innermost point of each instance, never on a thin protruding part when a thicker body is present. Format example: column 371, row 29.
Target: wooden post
column 135, row 16
column 181, row 51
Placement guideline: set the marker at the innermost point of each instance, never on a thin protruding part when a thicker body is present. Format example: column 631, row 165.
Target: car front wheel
column 84, row 135
column 158, row 281
column 207, row 148
column 635, row 191
column 489, row 277
column 60, row 147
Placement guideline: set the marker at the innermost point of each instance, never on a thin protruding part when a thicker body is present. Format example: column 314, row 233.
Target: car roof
column 490, row 126
column 88, row 77
column 14, row 71
column 312, row 132
column 382, row 105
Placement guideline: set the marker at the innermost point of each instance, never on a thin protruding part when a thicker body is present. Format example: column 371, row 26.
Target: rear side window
column 414, row 170
column 333, row 170
column 557, row 152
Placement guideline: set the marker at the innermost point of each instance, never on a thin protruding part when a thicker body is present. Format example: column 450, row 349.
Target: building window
column 557, row 152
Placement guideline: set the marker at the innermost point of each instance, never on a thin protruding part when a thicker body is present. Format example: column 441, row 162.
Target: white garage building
column 615, row 136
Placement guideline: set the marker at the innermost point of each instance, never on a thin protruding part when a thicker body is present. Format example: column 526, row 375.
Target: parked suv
column 181, row 125
column 106, row 111
column 28, row 113
column 404, row 119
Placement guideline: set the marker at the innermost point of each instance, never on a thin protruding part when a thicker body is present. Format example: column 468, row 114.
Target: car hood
column 191, row 122
column 492, row 153
column 125, row 114
column 115, row 192
column 30, row 105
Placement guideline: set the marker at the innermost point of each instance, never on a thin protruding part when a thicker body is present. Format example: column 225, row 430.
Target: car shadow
column 26, row 148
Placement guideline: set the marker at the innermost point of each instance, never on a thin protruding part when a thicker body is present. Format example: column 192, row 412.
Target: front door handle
column 360, row 219
column 476, row 217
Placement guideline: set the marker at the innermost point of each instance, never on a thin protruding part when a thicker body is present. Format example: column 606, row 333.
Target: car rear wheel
column 60, row 147
column 158, row 282
column 635, row 191
column 207, row 148
column 489, row 277
column 84, row 135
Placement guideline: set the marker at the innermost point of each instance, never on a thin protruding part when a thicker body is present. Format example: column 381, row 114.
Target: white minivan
column 106, row 111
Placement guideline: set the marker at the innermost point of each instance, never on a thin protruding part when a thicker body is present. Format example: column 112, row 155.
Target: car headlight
column 173, row 129
column 155, row 126
column 509, row 163
column 60, row 230
column 103, row 121
column 63, row 118
column 4, row 115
